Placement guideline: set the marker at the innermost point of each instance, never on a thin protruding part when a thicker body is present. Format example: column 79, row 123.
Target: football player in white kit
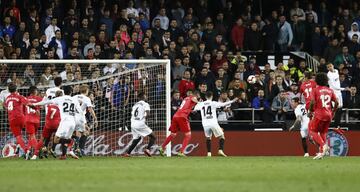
column 68, row 106
column 334, row 84
column 302, row 120
column 139, row 129
column 81, row 126
column 210, row 121
column 51, row 92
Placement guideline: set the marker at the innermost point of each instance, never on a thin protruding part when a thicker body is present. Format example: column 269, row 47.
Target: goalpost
column 113, row 85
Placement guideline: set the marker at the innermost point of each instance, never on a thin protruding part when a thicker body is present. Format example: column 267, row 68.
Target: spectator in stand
column 164, row 20
column 202, row 90
column 253, row 38
column 205, row 77
column 243, row 102
column 281, row 69
column 344, row 58
column 175, row 102
column 225, row 112
column 237, row 34
column 332, row 51
column 298, row 29
column 354, row 30
column 280, row 106
column 90, row 45
column 353, row 45
column 186, row 84
column 46, row 78
column 8, row 28
column 319, row 42
column 263, row 105
column 310, row 10
column 218, row 89
column 218, row 61
column 51, row 29
column 270, row 34
column 299, row 73
column 278, row 87
column 285, row 36
column 59, row 44
column 294, row 92
column 223, row 76
column 352, row 101
column 296, row 10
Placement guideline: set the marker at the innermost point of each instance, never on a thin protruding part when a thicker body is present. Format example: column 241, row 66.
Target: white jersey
column 301, row 113
column 138, row 112
column 208, row 111
column 334, row 81
column 51, row 92
column 3, row 94
column 84, row 102
column 68, row 106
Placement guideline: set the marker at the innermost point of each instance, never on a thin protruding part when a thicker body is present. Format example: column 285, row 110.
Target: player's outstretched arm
column 43, row 102
column 227, row 103
column 92, row 112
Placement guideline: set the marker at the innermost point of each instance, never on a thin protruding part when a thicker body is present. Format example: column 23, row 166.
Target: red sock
column 38, row 147
column 71, row 144
column 186, row 141
column 167, row 141
column 21, row 142
column 316, row 137
column 32, row 142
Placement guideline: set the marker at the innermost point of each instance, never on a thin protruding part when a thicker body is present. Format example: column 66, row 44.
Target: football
column 251, row 79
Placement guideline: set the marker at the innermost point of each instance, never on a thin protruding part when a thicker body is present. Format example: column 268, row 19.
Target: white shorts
column 80, row 122
column 216, row 129
column 140, row 130
column 339, row 98
column 66, row 128
column 304, row 131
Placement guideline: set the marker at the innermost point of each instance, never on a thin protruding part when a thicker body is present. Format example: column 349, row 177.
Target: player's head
column 196, row 93
column 58, row 94
column 84, row 89
column 189, row 92
column 33, row 90
column 209, row 95
column 295, row 102
column 307, row 75
column 57, row 81
column 141, row 96
column 67, row 90
column 321, row 79
column 330, row 67
column 12, row 87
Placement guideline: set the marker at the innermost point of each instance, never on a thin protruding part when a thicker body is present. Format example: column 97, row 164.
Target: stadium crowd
column 203, row 39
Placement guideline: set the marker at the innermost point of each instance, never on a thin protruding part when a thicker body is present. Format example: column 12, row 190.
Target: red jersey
column 305, row 89
column 53, row 114
column 323, row 97
column 15, row 105
column 33, row 114
column 186, row 107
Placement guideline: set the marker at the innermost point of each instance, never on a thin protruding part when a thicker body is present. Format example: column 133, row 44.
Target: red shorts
column 31, row 127
column 16, row 126
column 180, row 124
column 317, row 125
column 50, row 128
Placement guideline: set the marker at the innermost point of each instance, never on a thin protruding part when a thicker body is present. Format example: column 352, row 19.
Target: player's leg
column 304, row 134
column 208, row 135
column 219, row 133
column 185, row 128
column 134, row 143
column 338, row 113
column 323, row 135
column 15, row 128
column 174, row 127
column 31, row 130
column 314, row 132
column 152, row 140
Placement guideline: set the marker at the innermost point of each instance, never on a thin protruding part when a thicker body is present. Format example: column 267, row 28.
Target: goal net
column 114, row 85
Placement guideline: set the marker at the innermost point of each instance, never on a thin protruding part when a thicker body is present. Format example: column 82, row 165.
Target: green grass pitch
column 105, row 174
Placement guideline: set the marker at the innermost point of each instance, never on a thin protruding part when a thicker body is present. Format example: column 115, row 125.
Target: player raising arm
column 180, row 122
column 139, row 129
column 321, row 106
column 302, row 120
column 68, row 107
column 210, row 122
column 15, row 104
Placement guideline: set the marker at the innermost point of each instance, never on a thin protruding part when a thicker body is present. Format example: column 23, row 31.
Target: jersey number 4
column 10, row 106
column 69, row 107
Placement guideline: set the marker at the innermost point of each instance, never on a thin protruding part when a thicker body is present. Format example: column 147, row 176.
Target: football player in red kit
column 32, row 120
column 321, row 107
column 52, row 121
column 307, row 86
column 15, row 105
column 180, row 122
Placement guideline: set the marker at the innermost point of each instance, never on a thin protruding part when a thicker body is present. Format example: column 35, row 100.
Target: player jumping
column 307, row 86
column 180, row 122
column 321, row 106
column 210, row 122
column 139, row 129
column 302, row 120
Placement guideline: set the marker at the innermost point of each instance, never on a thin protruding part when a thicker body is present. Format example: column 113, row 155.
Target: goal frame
column 106, row 61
